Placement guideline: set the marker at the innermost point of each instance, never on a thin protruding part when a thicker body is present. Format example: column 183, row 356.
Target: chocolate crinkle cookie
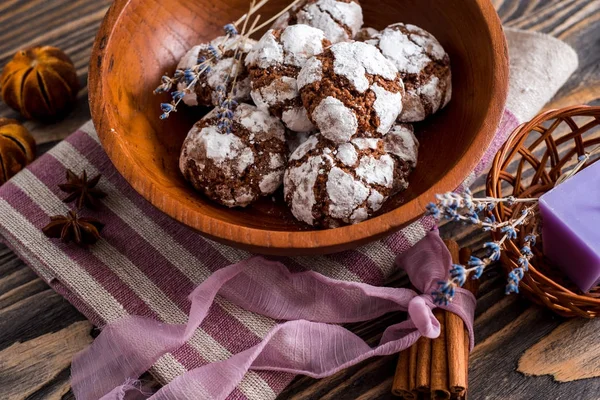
column 328, row 185
column 351, row 90
column 219, row 57
column 340, row 20
column 235, row 169
column 424, row 66
column 274, row 64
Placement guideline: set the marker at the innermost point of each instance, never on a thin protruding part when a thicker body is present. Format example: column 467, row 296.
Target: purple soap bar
column 571, row 226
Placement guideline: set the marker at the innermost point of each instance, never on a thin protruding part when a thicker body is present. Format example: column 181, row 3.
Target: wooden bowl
column 141, row 40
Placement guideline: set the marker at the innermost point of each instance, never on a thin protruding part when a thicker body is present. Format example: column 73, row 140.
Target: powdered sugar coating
column 348, row 14
column 435, row 93
column 424, row 66
column 227, row 43
column 402, row 143
column 237, row 168
column 261, row 125
column 297, row 120
column 407, row 55
column 300, row 182
column 266, row 53
column 346, row 194
column 366, row 143
column 351, row 90
column 336, row 121
column 339, row 20
column 347, row 154
column 375, row 200
column 311, row 72
column 304, row 148
column 300, row 43
column 220, row 149
column 377, row 171
column 275, row 63
column 276, row 161
column 278, row 91
column 270, row 182
column 329, row 185
column 387, row 106
column 354, row 60
column 221, row 71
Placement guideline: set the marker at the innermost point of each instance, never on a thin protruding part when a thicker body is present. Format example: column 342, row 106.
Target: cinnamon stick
column 401, row 385
column 412, row 369
column 455, row 344
column 439, row 360
column 423, row 379
column 467, row 353
column 458, row 349
column 438, row 367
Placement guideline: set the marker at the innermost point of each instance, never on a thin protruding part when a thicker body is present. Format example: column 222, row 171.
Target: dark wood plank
column 514, row 338
column 70, row 25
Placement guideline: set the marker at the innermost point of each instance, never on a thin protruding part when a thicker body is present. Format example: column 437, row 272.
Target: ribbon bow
column 309, row 342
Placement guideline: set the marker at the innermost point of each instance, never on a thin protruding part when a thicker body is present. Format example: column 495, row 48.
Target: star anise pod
column 81, row 230
column 82, row 190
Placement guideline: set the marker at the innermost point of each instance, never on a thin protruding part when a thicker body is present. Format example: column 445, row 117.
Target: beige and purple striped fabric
column 147, row 264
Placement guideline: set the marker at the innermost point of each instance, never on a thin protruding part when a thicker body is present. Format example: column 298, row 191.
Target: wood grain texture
column 125, row 115
column 54, row 349
column 68, row 25
column 510, row 333
column 579, row 339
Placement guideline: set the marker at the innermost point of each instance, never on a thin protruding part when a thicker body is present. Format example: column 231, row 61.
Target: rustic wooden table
column 523, row 351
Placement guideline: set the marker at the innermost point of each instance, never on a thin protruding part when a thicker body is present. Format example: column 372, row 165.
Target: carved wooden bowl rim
column 281, row 242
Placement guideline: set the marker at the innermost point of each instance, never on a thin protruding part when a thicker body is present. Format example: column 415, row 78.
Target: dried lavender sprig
column 231, row 32
column 192, row 77
column 227, row 102
column 467, row 201
column 459, row 274
column 465, row 208
column 516, row 275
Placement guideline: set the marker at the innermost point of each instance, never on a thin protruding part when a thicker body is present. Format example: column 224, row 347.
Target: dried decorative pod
column 17, row 148
column 40, row 83
column 81, row 230
column 82, row 190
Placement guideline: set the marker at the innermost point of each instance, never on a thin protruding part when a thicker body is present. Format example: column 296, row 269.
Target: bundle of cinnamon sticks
column 438, row 368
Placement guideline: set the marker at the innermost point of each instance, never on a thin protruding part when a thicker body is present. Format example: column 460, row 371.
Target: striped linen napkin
column 147, row 264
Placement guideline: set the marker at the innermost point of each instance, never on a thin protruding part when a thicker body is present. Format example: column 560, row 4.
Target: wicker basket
column 528, row 165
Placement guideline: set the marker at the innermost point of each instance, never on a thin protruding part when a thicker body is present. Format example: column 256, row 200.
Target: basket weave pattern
column 528, row 165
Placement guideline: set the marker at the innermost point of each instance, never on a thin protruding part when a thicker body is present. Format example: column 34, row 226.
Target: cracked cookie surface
column 351, row 90
column 235, row 169
column 274, row 64
column 424, row 66
column 328, row 185
column 340, row 20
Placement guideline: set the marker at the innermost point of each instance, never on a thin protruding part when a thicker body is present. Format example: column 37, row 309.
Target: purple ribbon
column 308, row 342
